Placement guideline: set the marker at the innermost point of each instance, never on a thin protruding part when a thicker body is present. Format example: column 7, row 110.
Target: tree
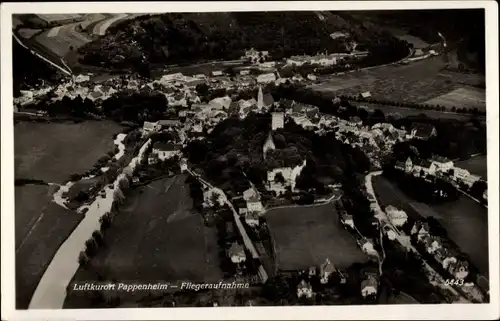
column 98, row 237
column 91, row 247
column 83, row 259
column 202, row 89
column 105, row 221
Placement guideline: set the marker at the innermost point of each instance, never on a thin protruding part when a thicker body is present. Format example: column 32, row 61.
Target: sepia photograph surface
column 251, row 158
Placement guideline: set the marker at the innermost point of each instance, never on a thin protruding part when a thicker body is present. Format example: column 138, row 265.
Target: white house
column 216, row 73
column 289, row 174
column 312, row 77
column 149, row 127
column 442, row 163
column 166, row 150
column 460, row 173
column 236, row 253
column 245, row 72
column 278, row 120
column 254, row 204
column 369, row 287
column 396, row 216
column 367, row 247
column 266, row 78
column 220, row 103
column 304, row 289
column 471, row 179
column 347, row 220
column 365, row 94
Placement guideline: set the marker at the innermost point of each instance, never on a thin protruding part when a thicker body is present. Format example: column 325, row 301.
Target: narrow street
column 246, row 239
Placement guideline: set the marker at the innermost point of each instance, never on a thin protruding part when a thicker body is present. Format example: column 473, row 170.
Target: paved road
column 51, row 291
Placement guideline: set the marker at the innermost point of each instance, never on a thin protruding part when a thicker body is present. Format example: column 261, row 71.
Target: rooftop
column 166, row 146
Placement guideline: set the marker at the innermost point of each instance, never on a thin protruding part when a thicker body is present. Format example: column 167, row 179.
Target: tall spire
column 260, row 98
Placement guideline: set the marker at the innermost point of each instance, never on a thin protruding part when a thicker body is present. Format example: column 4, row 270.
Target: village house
column 252, row 218
column 245, row 72
column 183, row 165
column 168, row 123
column 422, row 131
column 304, row 289
column 236, row 253
column 442, row 163
column 217, row 73
column 423, row 167
column 149, row 127
column 431, row 243
column 311, row 77
column 421, row 229
column 278, row 120
column 166, row 150
column 471, row 179
column 266, row 78
column 369, row 287
column 347, row 220
column 220, row 103
column 289, row 174
column 460, row 174
column 254, row 204
column 240, row 205
column 355, row 121
column 458, row 268
column 396, row 217
column 365, row 95
column 367, row 246
column 326, row 270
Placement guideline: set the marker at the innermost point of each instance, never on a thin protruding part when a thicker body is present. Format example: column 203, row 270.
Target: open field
column 416, row 82
column 306, row 236
column 477, row 165
column 156, row 237
column 469, row 97
column 53, row 151
column 465, row 221
column 48, row 225
column 405, row 111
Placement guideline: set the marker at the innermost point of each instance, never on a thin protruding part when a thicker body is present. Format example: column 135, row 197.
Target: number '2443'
column 454, row 282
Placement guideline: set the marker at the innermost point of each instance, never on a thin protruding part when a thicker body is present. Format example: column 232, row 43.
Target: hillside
column 464, row 29
column 28, row 70
column 186, row 37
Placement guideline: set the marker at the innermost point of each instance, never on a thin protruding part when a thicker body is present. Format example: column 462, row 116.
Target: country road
column 51, row 290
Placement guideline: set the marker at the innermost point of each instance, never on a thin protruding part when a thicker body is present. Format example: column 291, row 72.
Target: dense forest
column 185, row 37
column 464, row 29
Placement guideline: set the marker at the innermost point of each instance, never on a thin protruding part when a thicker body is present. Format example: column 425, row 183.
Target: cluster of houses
column 447, row 257
column 324, row 272
column 437, row 166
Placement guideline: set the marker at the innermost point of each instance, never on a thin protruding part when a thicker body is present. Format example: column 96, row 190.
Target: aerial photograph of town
column 237, row 159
